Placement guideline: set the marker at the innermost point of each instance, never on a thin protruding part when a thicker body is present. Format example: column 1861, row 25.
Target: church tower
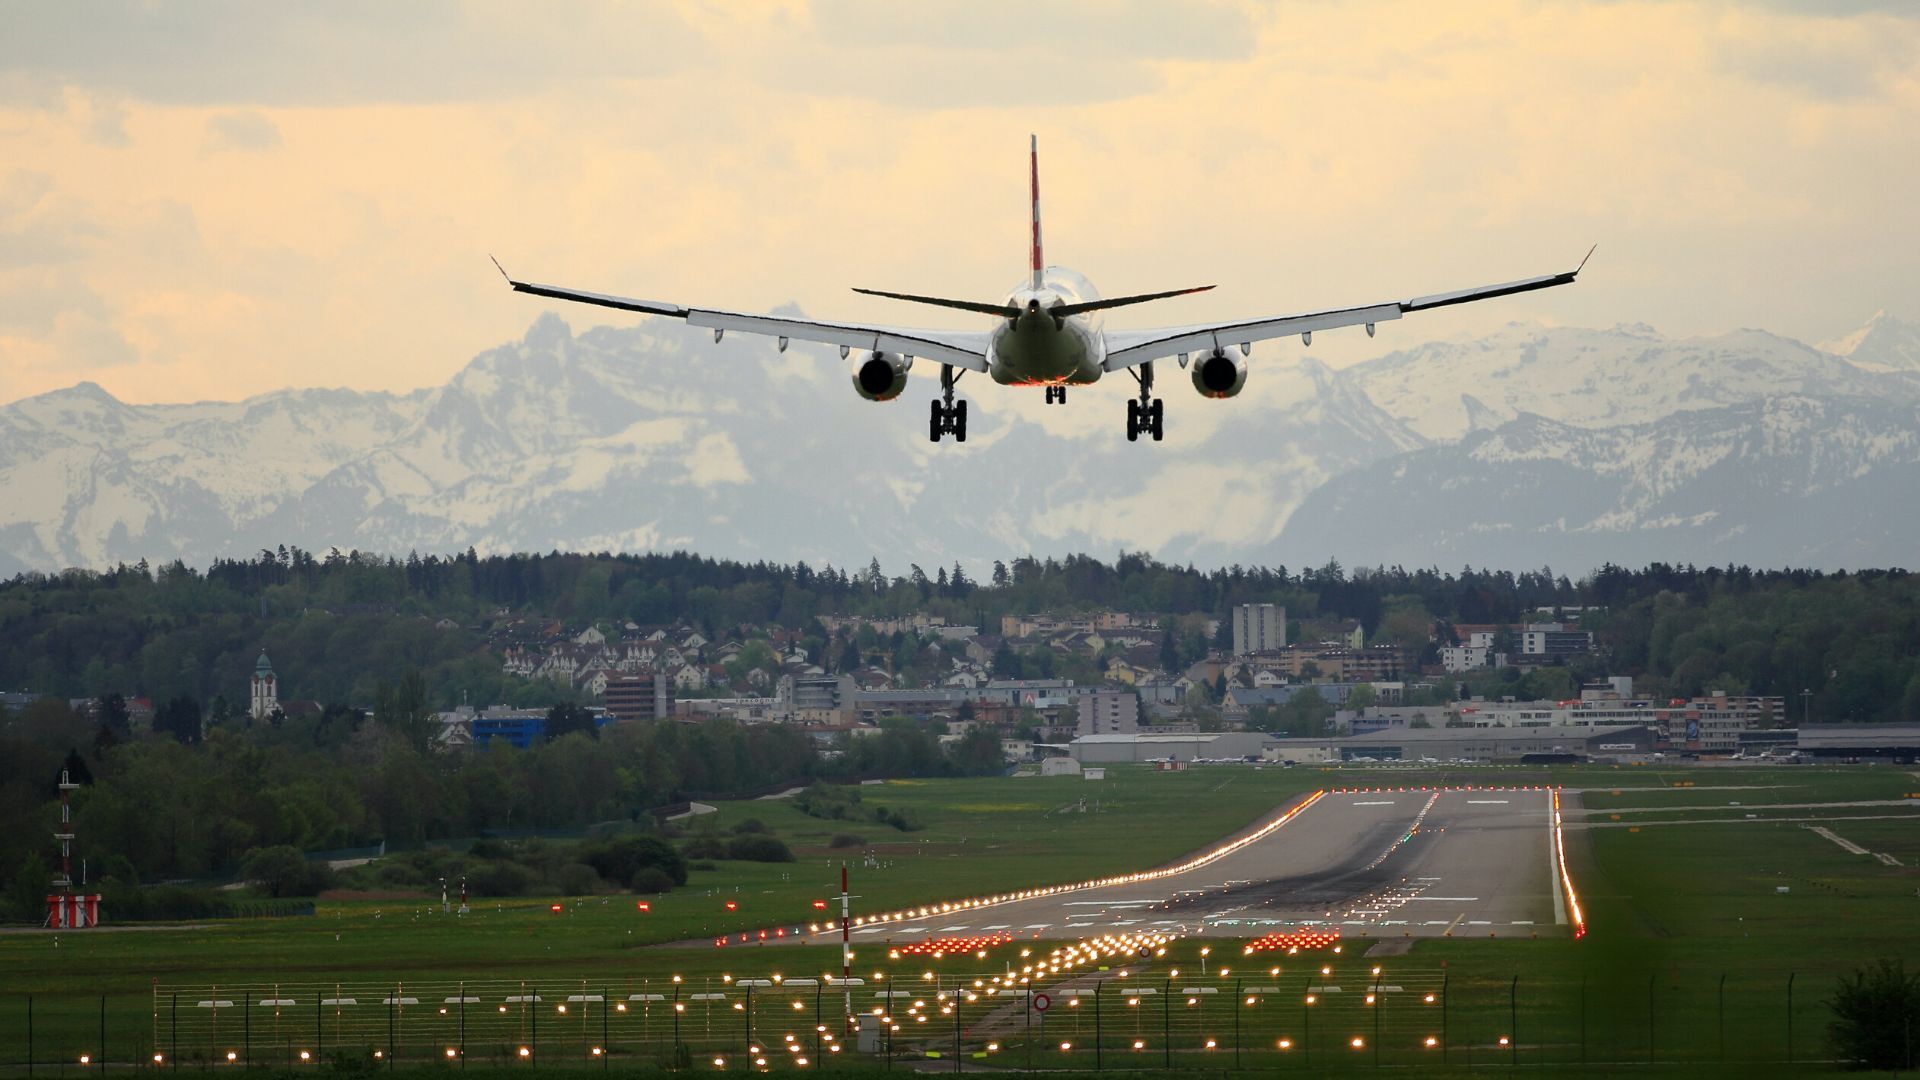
column 266, row 689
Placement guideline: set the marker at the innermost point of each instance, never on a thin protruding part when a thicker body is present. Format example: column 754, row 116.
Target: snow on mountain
column 1598, row 378
column 1883, row 344
column 1782, row 481
column 653, row 436
column 1533, row 445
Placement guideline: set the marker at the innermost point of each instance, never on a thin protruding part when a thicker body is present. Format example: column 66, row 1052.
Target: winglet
column 502, row 269
column 1584, row 258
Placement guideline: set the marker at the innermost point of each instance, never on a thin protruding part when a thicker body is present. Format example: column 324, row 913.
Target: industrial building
column 1853, row 742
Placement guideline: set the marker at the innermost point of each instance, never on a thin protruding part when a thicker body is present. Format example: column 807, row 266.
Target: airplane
column 1047, row 332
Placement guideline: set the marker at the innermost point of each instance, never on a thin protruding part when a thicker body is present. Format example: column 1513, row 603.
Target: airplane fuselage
column 1037, row 349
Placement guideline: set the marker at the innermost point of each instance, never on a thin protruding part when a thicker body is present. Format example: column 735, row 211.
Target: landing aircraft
column 1047, row 332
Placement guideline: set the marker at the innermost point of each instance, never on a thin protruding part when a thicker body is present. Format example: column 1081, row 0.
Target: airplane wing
column 1126, row 348
column 960, row 348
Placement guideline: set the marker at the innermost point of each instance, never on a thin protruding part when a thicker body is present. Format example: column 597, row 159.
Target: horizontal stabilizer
column 1065, row 310
column 1005, row 311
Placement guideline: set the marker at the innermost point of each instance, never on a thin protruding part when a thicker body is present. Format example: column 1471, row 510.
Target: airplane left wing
column 1126, row 348
column 960, row 348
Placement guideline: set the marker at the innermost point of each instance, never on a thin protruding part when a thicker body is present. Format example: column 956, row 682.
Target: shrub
column 285, row 872
column 703, row 864
column 705, row 847
column 489, row 848
column 759, row 849
column 620, row 858
column 846, row 840
column 651, row 879
column 578, row 879
column 500, row 879
column 751, row 825
column 1875, row 1013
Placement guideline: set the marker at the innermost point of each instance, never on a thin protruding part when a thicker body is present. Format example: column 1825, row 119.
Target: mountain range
column 1530, row 446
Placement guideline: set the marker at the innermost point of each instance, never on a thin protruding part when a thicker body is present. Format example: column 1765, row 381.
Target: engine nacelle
column 882, row 376
column 1217, row 375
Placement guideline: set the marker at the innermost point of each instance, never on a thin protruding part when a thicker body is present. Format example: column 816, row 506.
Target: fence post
column 1166, row 1023
column 173, row 1013
column 1239, row 1003
column 393, row 996
column 1513, row 1022
column 1650, row 1024
column 463, row 1023
column 246, row 1029
column 676, row 1025
column 749, row 1043
column 1445, row 1040
column 1721, row 1008
column 1096, row 1024
column 1379, row 1006
column 534, row 1042
column 29, row 1035
column 1790, row 976
column 1583, row 1019
column 817, row 1024
column 606, row 1043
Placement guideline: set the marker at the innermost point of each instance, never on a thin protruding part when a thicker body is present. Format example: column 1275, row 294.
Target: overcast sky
column 212, row 199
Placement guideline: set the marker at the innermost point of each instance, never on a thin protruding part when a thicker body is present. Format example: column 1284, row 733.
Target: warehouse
column 1114, row 749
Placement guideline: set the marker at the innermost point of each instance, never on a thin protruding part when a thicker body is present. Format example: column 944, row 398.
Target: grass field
column 1671, row 910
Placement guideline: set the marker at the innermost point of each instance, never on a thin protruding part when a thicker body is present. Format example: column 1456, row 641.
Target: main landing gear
column 1056, row 395
column 947, row 414
column 1147, row 412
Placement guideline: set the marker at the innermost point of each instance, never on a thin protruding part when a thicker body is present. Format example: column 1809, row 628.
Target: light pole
column 1806, row 706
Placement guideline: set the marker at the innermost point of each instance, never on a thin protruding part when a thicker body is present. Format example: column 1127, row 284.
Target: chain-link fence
column 1327, row 1011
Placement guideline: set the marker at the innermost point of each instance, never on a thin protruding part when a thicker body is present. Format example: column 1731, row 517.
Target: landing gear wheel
column 1056, row 395
column 947, row 415
column 1145, row 413
column 934, row 425
column 960, row 422
column 1133, row 421
column 1157, row 419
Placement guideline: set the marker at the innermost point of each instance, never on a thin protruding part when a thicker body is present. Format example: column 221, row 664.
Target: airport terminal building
column 1630, row 741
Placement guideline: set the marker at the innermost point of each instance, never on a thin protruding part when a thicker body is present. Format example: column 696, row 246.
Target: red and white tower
column 67, row 910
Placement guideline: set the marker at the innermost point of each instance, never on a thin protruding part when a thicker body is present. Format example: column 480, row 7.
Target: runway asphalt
column 1377, row 864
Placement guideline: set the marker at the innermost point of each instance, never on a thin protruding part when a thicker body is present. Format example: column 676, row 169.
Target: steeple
column 265, row 692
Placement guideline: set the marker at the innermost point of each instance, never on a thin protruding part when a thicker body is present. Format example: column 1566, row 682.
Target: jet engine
column 1218, row 375
column 882, row 376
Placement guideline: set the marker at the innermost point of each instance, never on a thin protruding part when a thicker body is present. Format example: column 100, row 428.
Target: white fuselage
column 1038, row 350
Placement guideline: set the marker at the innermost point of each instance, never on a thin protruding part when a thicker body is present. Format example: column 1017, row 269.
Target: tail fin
column 1033, row 149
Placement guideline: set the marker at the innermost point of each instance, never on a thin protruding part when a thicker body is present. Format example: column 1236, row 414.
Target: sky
column 215, row 198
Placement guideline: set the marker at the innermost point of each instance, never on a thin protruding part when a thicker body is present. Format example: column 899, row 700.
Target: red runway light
column 732, row 906
column 556, row 909
column 644, row 906
column 820, row 905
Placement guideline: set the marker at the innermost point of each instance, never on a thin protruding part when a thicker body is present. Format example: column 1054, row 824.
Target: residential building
column 1107, row 713
column 1551, row 642
column 1259, row 628
column 647, row 696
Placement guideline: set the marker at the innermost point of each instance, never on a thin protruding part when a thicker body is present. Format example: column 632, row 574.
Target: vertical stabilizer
column 1033, row 151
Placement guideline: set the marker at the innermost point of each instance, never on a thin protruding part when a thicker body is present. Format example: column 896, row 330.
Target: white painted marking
column 1385, row 802
column 949, row 929
column 1487, row 802
column 1479, row 922
column 1036, row 926
column 998, row 926
column 1452, row 899
column 1523, row 922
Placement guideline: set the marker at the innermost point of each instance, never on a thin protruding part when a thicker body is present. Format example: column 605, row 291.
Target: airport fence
column 1328, row 1014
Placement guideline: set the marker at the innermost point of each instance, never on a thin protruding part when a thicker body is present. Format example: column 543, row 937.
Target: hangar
column 1191, row 746
column 1898, row 742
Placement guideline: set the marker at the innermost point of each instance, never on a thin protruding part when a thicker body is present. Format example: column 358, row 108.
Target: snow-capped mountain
column 1883, row 344
column 1808, row 482
column 652, row 436
column 1596, row 378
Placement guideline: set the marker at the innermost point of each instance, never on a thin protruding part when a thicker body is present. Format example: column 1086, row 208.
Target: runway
column 1382, row 863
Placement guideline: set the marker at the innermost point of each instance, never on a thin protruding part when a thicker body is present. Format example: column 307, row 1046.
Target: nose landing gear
column 1056, row 394
column 1147, row 413
column 947, row 415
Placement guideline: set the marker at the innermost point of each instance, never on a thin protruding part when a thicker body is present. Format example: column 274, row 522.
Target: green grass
column 1674, row 907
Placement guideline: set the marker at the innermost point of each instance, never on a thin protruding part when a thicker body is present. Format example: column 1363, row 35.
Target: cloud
column 246, row 130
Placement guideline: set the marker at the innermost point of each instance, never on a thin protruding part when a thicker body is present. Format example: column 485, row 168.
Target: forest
column 340, row 626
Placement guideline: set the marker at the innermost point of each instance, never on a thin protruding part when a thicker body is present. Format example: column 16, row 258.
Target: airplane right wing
column 1126, row 348
column 961, row 348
